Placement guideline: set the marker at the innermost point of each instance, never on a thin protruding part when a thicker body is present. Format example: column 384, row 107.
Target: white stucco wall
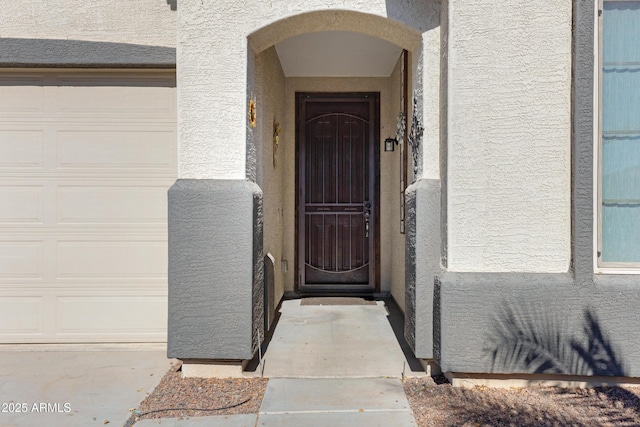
column 212, row 53
column 145, row 22
column 509, row 157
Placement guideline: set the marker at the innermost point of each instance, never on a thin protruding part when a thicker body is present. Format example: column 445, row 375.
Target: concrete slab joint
column 216, row 302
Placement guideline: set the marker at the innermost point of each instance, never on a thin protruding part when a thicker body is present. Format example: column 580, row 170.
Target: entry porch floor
column 337, row 338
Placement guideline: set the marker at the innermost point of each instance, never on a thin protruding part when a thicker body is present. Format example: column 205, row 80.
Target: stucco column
column 423, row 207
column 212, row 95
column 215, row 213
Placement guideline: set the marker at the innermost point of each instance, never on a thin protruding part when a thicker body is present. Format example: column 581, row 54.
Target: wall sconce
column 390, row 144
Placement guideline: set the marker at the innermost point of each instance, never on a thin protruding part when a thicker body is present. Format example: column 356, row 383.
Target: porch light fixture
column 390, row 144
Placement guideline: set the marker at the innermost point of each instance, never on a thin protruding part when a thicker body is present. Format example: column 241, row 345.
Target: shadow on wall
column 526, row 340
column 173, row 4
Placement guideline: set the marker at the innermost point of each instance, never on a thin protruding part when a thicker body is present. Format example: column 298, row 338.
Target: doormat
column 336, row 301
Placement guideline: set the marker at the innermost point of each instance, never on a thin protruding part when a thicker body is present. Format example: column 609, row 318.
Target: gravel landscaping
column 443, row 405
column 433, row 403
column 177, row 397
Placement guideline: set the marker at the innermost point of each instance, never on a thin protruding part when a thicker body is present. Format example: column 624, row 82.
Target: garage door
column 86, row 159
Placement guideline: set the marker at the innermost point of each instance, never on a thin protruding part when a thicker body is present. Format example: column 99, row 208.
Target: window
column 619, row 139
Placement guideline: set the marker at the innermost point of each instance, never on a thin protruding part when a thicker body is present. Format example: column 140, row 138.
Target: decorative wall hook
column 401, row 126
column 276, row 140
column 415, row 135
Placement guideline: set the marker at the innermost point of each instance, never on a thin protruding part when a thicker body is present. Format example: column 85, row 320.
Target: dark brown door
column 337, row 187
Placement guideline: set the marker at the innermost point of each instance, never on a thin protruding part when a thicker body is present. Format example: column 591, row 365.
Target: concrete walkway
column 329, row 365
column 316, row 341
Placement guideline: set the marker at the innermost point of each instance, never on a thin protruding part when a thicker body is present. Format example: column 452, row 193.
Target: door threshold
column 304, row 294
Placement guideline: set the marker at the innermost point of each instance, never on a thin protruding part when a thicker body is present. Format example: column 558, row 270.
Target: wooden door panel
column 337, row 224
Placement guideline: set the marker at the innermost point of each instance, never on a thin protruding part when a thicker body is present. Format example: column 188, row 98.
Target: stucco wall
column 269, row 93
column 215, row 290
column 425, row 74
column 212, row 64
column 143, row 22
column 391, row 199
column 509, row 159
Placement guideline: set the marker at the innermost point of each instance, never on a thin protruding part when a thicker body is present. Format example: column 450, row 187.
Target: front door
column 337, row 136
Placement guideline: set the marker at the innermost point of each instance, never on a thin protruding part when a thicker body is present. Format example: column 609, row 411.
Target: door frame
column 301, row 98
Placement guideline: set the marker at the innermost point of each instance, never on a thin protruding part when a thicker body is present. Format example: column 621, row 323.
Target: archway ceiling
column 337, row 54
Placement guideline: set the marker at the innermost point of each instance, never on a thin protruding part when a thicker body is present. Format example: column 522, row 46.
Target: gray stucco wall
column 422, row 264
column 490, row 321
column 216, row 301
column 581, row 323
column 17, row 52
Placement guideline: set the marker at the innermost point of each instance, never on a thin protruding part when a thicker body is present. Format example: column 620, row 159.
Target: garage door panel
column 83, row 316
column 21, row 260
column 124, row 315
column 86, row 159
column 125, row 95
column 62, row 202
column 112, row 204
column 138, row 149
column 22, row 204
column 21, row 316
column 22, row 148
column 112, row 259
column 21, row 95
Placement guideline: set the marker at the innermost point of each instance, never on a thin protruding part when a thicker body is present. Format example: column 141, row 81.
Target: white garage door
column 86, row 159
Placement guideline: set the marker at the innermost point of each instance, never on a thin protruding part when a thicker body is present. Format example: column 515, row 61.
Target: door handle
column 367, row 214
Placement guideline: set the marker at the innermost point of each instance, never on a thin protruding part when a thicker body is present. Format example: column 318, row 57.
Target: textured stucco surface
column 426, row 86
column 212, row 64
column 269, row 83
column 215, row 269
column 583, row 140
column 143, row 22
column 471, row 301
column 80, row 53
column 422, row 264
column 509, row 129
column 444, row 131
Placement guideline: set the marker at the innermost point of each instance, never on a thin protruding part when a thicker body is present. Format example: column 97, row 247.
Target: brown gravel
column 433, row 404
column 443, row 405
column 177, row 397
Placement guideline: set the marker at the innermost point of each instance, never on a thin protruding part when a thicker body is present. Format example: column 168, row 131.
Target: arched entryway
column 323, row 239
column 400, row 68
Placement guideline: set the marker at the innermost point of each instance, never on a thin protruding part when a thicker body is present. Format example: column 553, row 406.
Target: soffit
column 337, row 54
